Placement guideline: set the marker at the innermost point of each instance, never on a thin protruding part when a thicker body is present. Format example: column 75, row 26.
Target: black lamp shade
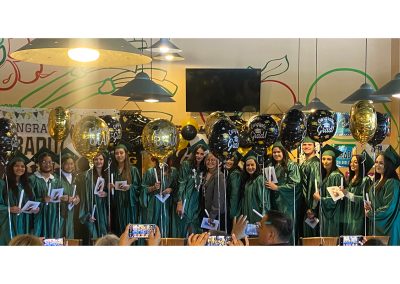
column 365, row 93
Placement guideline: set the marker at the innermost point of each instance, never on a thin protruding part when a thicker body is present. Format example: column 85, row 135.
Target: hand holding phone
column 140, row 231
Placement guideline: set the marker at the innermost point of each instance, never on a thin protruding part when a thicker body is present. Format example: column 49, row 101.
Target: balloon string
column 320, row 192
column 219, row 197
column 109, row 195
column 226, row 211
column 263, row 192
column 374, row 194
column 8, row 201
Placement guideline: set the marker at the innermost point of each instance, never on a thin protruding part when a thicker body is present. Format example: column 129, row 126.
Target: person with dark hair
column 233, row 187
column 286, row 195
column 82, row 165
column 97, row 225
column 186, row 220
column 158, row 183
column 374, row 242
column 17, row 181
column 309, row 172
column 254, row 196
column 47, row 221
column 68, row 182
column 330, row 211
column 383, row 210
column 125, row 200
column 358, row 184
column 26, row 240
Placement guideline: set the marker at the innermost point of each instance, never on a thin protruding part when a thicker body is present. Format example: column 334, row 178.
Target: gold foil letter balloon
column 363, row 121
column 160, row 138
column 59, row 123
column 90, row 136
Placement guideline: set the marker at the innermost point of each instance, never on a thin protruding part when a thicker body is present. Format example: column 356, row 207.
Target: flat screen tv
column 227, row 90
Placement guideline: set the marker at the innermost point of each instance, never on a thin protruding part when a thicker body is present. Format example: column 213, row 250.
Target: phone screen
column 351, row 240
column 218, row 240
column 140, row 230
column 53, row 242
column 251, row 230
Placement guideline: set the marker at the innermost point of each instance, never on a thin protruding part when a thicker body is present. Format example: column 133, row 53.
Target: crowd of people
column 203, row 196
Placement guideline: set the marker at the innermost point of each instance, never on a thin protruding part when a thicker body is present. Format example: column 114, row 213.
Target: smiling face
column 277, row 154
column 68, row 166
column 251, row 166
column 380, row 164
column 19, row 169
column 308, row 148
column 120, row 155
column 211, row 162
column 229, row 163
column 98, row 162
column 46, row 165
column 354, row 164
column 327, row 162
column 199, row 155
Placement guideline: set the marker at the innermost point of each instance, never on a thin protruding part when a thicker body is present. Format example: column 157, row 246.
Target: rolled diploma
column 48, row 192
column 341, row 182
column 155, row 173
column 258, row 213
column 316, row 185
column 183, row 208
column 112, row 181
column 94, row 210
column 20, row 198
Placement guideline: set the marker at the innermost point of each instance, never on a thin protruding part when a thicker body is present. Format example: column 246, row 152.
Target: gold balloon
column 59, row 123
column 190, row 121
column 182, row 143
column 211, row 119
column 160, row 138
column 363, row 121
column 90, row 136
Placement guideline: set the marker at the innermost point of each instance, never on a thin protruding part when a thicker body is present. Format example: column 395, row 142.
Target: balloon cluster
column 293, row 129
column 8, row 140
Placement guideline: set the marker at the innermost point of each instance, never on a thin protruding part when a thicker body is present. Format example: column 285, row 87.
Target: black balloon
column 8, row 140
column 188, row 132
column 244, row 138
column 293, row 129
column 321, row 125
column 382, row 129
column 224, row 139
column 132, row 127
column 263, row 130
column 115, row 129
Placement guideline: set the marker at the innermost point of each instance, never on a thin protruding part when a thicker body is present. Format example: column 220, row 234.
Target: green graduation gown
column 154, row 211
column 47, row 221
column 98, row 228
column 189, row 182
column 254, row 194
column 309, row 172
column 233, row 193
column 20, row 224
column 67, row 216
column 287, row 198
column 353, row 207
column 125, row 203
column 386, row 204
column 330, row 210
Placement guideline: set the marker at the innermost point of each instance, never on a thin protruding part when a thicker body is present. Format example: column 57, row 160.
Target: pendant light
column 298, row 105
column 80, row 52
column 391, row 89
column 316, row 104
column 169, row 57
column 164, row 45
column 365, row 92
column 143, row 89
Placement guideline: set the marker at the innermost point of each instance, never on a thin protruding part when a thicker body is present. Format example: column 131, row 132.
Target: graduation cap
column 307, row 139
column 392, row 155
column 250, row 155
column 67, row 153
column 19, row 156
column 200, row 142
column 41, row 152
column 367, row 161
column 278, row 144
column 328, row 150
column 237, row 156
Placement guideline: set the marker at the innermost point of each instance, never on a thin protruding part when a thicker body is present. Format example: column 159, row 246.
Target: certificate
column 335, row 193
column 29, row 206
column 99, row 187
column 119, row 185
column 56, row 194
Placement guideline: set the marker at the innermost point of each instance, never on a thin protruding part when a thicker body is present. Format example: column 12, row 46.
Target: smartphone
column 351, row 240
column 140, row 231
column 218, row 240
column 251, row 230
column 53, row 242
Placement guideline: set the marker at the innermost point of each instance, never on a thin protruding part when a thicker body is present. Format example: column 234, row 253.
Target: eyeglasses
column 47, row 162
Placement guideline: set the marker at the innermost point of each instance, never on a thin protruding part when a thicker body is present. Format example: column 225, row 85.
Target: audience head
column 275, row 228
column 25, row 240
column 108, row 240
column 374, row 242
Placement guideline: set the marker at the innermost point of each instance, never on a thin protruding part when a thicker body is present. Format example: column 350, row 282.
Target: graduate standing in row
column 233, row 187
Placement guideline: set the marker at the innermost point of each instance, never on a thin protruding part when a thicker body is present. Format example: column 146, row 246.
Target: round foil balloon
column 382, row 129
column 8, row 140
column 211, row 119
column 59, row 123
column 263, row 130
column 293, row 129
column 114, row 126
column 244, row 137
column 188, row 132
column 132, row 127
column 321, row 125
column 363, row 121
column 224, row 139
column 90, row 136
column 160, row 138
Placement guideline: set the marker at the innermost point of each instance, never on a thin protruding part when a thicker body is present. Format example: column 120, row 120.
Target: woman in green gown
column 253, row 194
column 21, row 223
column 125, row 199
column 330, row 211
column 191, row 174
column 98, row 224
column 358, row 185
column 68, row 183
column 383, row 209
column 233, row 188
column 155, row 182
column 286, row 195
